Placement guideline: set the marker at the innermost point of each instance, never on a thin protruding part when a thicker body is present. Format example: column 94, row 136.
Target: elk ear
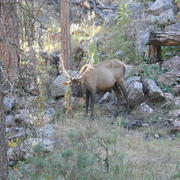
column 67, row 83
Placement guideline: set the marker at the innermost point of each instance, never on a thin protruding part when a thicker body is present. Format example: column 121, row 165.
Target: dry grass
column 154, row 159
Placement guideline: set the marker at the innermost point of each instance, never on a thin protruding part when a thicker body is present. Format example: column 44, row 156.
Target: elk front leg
column 87, row 101
column 92, row 101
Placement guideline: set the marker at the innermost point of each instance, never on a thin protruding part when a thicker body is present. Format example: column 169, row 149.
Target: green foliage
column 169, row 51
column 151, row 71
column 38, row 148
column 177, row 1
column 165, row 88
column 93, row 54
column 123, row 13
column 177, row 175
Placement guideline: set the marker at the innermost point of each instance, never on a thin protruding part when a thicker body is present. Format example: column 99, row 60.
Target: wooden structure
column 158, row 39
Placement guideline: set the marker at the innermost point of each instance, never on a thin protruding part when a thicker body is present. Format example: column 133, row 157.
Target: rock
column 32, row 87
column 106, row 97
column 153, row 91
column 172, row 65
column 166, row 17
column 169, row 78
column 134, row 91
column 173, row 27
column 145, row 109
column 47, row 131
column 57, row 87
column 28, row 146
column 175, row 113
column 177, row 101
column 176, row 126
column 20, row 102
column 15, row 154
column 23, row 118
column 176, row 90
column 129, row 70
column 49, row 115
column 145, row 124
column 169, row 97
column 176, row 123
column 9, row 120
column 136, row 9
column 119, row 53
column 9, row 102
column 160, row 6
column 140, row 29
column 156, row 136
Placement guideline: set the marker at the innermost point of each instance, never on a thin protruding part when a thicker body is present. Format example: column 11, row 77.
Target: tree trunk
column 65, row 33
column 3, row 148
column 9, row 38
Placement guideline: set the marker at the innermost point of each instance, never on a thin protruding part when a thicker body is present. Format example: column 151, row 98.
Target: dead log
column 164, row 39
column 158, row 39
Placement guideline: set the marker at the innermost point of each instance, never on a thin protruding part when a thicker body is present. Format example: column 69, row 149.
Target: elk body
column 99, row 78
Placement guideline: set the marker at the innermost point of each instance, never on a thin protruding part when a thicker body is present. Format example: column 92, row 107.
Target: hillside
column 49, row 137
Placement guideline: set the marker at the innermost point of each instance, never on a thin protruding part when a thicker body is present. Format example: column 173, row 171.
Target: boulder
column 175, row 126
column 20, row 102
column 177, row 101
column 175, row 114
column 169, row 97
column 23, row 117
column 173, row 27
column 172, row 65
column 32, row 88
column 9, row 120
column 129, row 70
column 27, row 148
column 106, row 97
column 145, row 109
column 9, row 102
column 169, row 78
column 166, row 17
column 136, row 9
column 154, row 92
column 134, row 91
column 160, row 6
column 176, row 90
column 15, row 154
column 57, row 87
column 176, row 123
column 119, row 53
column 49, row 115
column 47, row 131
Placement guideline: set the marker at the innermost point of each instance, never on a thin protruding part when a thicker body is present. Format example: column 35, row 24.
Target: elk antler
column 84, row 70
column 63, row 70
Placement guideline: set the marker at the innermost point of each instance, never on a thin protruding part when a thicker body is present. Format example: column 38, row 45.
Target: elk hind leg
column 123, row 89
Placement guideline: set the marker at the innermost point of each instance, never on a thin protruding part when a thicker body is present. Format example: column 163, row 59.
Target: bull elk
column 99, row 78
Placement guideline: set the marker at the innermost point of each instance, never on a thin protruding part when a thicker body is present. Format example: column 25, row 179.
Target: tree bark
column 9, row 38
column 3, row 148
column 65, row 33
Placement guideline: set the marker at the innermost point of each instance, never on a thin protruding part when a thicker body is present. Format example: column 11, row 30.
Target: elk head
column 77, row 84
